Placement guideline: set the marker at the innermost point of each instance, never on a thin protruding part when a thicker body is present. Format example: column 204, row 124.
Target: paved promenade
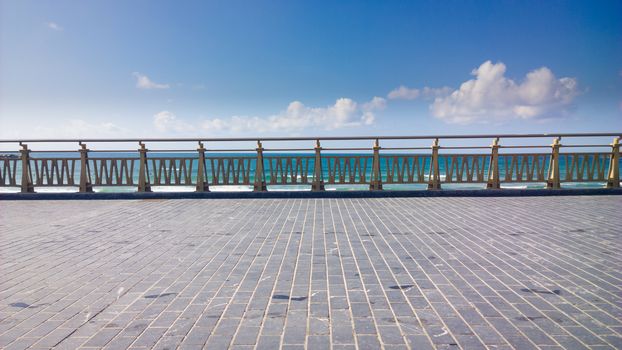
column 392, row 273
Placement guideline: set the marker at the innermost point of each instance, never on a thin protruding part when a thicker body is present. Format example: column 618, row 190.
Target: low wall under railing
column 33, row 167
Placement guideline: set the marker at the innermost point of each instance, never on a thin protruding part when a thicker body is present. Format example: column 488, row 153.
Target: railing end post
column 613, row 176
column 259, row 184
column 376, row 180
column 85, row 174
column 434, row 182
column 143, row 175
column 318, row 177
column 26, row 185
column 202, row 184
column 553, row 181
column 494, row 182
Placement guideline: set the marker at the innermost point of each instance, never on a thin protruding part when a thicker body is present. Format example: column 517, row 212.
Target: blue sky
column 241, row 68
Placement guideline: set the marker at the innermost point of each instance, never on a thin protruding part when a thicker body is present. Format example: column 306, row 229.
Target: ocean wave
column 583, row 184
column 289, row 188
column 231, row 188
column 515, row 186
column 56, row 189
column 173, row 188
column 9, row 190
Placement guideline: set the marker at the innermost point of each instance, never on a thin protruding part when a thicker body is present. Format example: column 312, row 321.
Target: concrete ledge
column 309, row 194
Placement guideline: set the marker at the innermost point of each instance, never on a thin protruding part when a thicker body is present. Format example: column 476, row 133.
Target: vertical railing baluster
column 434, row 181
column 27, row 186
column 85, row 174
column 613, row 176
column 202, row 184
column 376, row 176
column 318, row 177
column 143, row 175
column 553, row 179
column 493, row 167
column 260, row 182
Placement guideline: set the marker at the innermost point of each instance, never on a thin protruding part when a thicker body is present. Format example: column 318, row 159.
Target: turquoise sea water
column 331, row 163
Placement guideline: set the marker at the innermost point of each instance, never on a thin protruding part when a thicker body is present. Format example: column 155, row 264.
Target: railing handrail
column 310, row 138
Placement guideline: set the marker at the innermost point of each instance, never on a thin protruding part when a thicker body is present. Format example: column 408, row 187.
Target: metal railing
column 316, row 167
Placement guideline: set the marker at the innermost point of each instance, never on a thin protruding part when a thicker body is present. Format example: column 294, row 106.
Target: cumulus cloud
column 81, row 127
column 343, row 113
column 143, row 82
column 491, row 96
column 376, row 103
column 369, row 109
column 167, row 121
column 77, row 128
column 406, row 93
column 54, row 26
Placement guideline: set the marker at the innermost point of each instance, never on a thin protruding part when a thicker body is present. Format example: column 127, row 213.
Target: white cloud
column 296, row 117
column 54, row 26
column 436, row 92
column 491, row 96
column 376, row 103
column 82, row 127
column 143, row 82
column 406, row 93
column 344, row 113
column 77, row 128
column 167, row 121
column 369, row 109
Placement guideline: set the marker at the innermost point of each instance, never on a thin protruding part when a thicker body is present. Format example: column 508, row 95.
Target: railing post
column 318, row 177
column 434, row 183
column 493, row 170
column 613, row 177
column 553, row 180
column 143, row 175
column 376, row 177
column 27, row 186
column 202, row 185
column 85, row 174
column 260, row 182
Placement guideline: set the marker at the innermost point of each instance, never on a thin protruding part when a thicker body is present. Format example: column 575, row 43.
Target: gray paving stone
column 167, row 342
column 419, row 342
column 318, row 342
column 117, row 343
column 246, row 336
column 268, row 342
column 367, row 342
column 390, row 335
column 149, row 337
column 101, row 338
column 522, row 272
